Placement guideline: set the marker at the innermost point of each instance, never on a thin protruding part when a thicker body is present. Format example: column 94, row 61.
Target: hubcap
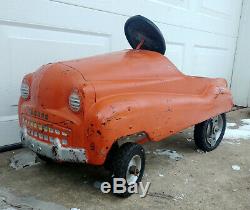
column 214, row 130
column 133, row 170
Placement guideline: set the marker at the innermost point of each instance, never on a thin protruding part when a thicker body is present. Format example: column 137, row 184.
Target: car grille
column 44, row 131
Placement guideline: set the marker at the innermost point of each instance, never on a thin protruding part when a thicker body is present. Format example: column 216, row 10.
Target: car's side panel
column 159, row 115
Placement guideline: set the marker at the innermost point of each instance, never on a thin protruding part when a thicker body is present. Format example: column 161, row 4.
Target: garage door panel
column 175, row 52
column 181, row 4
column 199, row 53
column 221, row 9
column 57, row 16
column 26, row 45
column 49, row 51
column 194, row 13
column 212, row 61
column 29, row 48
column 220, row 16
column 128, row 7
column 203, row 55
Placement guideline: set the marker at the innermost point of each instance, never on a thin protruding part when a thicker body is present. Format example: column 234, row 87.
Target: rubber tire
column 108, row 165
column 121, row 161
column 200, row 135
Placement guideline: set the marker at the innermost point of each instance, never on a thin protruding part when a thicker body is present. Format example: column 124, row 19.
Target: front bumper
column 53, row 151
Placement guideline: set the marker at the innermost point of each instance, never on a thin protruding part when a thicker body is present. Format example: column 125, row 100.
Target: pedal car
column 100, row 110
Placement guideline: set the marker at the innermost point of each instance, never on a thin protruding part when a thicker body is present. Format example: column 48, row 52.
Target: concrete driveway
column 215, row 180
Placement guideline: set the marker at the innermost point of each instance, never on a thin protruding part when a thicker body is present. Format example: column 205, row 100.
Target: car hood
column 124, row 65
column 52, row 85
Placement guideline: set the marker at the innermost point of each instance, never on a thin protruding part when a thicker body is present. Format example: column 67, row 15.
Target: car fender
column 119, row 116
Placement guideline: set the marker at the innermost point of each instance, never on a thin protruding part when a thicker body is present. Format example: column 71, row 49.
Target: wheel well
column 133, row 138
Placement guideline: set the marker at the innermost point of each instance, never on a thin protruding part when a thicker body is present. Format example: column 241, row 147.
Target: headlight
column 75, row 101
column 25, row 90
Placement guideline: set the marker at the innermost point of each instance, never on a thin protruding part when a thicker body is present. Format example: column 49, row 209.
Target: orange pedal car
column 99, row 110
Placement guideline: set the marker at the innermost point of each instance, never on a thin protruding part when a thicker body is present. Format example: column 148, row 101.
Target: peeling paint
column 132, row 138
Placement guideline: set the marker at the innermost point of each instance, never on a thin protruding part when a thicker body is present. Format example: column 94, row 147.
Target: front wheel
column 208, row 134
column 128, row 163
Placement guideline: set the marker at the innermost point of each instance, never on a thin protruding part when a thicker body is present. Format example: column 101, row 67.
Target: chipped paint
column 134, row 138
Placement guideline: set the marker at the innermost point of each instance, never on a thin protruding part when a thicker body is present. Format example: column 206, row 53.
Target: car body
column 136, row 95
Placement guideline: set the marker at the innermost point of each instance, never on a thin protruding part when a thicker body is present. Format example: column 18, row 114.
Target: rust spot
column 129, row 109
column 99, row 132
column 169, row 109
column 108, row 120
column 92, row 146
column 90, row 131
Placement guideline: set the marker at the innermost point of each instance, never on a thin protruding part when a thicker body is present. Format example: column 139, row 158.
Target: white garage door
column 200, row 35
column 241, row 73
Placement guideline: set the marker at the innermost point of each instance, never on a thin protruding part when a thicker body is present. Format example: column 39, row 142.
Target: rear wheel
column 129, row 164
column 208, row 134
